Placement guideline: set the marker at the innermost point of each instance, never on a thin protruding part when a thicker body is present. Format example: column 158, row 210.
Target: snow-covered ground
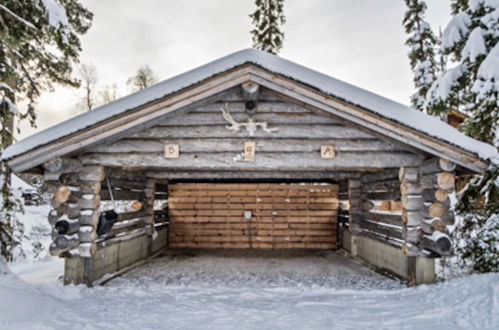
column 243, row 290
column 216, row 290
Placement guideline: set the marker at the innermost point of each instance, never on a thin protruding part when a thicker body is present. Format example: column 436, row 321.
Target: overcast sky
column 358, row 41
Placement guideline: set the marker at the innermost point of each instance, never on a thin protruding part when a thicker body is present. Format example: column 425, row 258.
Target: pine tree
column 267, row 20
column 422, row 43
column 472, row 86
column 39, row 43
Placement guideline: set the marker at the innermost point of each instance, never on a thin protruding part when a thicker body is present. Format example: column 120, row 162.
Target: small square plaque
column 249, row 151
column 328, row 151
column 172, row 151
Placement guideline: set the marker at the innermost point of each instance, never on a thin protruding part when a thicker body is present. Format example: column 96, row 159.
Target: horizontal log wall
column 207, row 145
column 381, row 224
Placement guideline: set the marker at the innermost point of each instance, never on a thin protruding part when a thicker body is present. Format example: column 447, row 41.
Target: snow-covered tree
column 478, row 234
column 143, row 78
column 472, row 86
column 267, row 20
column 422, row 43
column 39, row 43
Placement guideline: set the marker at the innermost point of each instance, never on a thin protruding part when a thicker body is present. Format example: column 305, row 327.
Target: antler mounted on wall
column 251, row 125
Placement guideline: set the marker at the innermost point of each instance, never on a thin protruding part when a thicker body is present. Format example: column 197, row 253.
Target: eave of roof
column 379, row 105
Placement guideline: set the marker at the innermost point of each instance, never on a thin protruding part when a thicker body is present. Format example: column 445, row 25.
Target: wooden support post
column 412, row 203
column 356, row 210
column 90, row 182
column 149, row 208
column 355, row 199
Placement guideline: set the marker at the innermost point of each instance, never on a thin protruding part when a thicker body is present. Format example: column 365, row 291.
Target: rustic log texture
column 87, row 234
column 436, row 165
column 383, row 175
column 87, row 250
column 132, row 207
column 62, row 165
column 270, row 144
column 253, row 175
column 442, row 180
column 150, row 193
column 120, row 194
column 432, row 225
column 89, row 217
column 382, row 229
column 132, row 215
column 89, row 201
column 263, row 161
column 65, row 242
column 66, row 227
column 285, row 131
column 250, row 91
column 62, row 194
column 412, row 203
column 438, row 243
column 71, row 210
column 92, row 173
column 91, row 178
column 355, row 198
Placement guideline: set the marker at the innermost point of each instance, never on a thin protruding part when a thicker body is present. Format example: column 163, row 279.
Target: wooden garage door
column 253, row 215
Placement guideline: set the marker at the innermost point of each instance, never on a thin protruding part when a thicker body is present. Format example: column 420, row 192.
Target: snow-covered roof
column 382, row 106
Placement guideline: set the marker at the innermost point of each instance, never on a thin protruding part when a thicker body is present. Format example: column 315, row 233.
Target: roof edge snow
column 340, row 90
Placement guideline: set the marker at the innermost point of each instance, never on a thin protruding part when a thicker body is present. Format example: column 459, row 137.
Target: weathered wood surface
column 273, row 118
column 263, row 161
column 386, row 218
column 200, row 145
column 412, row 203
column 253, row 215
column 285, row 131
column 250, row 91
column 439, row 243
column 260, row 175
column 382, row 230
column 62, row 165
column 382, row 175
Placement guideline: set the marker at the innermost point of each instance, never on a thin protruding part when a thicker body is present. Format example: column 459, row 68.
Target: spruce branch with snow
column 478, row 234
column 267, row 20
column 472, row 86
column 422, row 43
column 39, row 44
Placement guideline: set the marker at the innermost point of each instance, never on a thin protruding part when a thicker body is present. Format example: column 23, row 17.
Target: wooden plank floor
column 282, row 216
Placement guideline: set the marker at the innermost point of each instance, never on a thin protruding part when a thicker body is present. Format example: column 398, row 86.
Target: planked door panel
column 283, row 216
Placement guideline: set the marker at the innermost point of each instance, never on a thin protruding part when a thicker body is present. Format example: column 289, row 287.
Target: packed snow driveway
column 257, row 269
column 253, row 290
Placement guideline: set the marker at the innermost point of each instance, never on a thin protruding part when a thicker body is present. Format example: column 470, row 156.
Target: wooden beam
column 263, row 161
column 270, row 144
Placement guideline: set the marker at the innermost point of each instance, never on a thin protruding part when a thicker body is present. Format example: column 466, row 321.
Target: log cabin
column 250, row 151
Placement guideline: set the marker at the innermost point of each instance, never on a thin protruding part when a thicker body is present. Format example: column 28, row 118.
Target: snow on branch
column 56, row 12
column 442, row 87
column 457, row 28
column 19, row 18
column 475, row 45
